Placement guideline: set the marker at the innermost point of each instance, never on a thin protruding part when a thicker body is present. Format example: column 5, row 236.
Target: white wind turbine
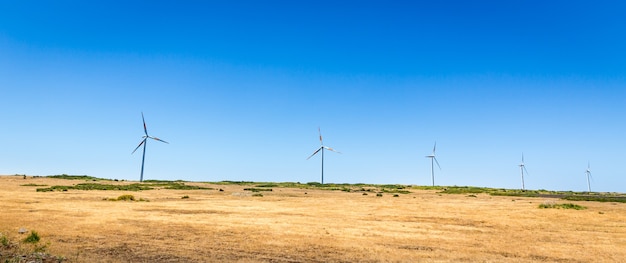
column 588, row 172
column 522, row 168
column 321, row 149
column 144, row 142
column 433, row 160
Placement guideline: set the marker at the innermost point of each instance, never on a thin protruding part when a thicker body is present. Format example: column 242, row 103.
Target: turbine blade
column 330, row 149
column 320, row 133
column 437, row 162
column 318, row 150
column 142, row 142
column 157, row 139
column 522, row 157
column 145, row 129
column 524, row 166
column 434, row 148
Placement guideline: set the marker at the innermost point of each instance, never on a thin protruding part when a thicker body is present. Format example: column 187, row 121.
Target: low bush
column 4, row 240
column 32, row 238
column 562, row 206
column 126, row 198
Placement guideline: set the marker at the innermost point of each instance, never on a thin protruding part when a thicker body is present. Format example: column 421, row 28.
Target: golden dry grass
column 303, row 225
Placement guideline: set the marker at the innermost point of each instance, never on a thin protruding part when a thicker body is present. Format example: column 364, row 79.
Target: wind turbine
column 145, row 138
column 433, row 160
column 522, row 168
column 588, row 172
column 322, row 148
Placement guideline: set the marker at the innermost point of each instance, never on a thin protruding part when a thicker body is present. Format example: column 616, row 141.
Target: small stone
column 22, row 230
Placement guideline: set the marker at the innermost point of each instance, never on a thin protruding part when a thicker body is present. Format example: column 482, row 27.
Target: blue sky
column 239, row 89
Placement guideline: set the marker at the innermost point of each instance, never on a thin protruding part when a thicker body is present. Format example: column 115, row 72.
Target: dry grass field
column 307, row 225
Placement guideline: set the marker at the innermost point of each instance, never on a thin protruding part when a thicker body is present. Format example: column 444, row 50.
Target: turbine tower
column 322, row 148
column 588, row 172
column 522, row 168
column 433, row 160
column 145, row 138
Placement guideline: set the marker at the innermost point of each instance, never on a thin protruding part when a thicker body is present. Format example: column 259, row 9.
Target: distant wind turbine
column 321, row 148
column 145, row 138
column 522, row 168
column 433, row 160
column 588, row 172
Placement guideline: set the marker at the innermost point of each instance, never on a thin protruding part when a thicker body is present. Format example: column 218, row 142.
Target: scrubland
column 225, row 223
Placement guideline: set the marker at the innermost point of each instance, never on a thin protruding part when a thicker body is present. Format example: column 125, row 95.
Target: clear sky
column 239, row 89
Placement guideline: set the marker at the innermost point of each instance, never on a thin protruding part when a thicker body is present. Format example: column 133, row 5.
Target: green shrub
column 572, row 206
column 4, row 241
column 32, row 238
column 185, row 197
column 126, row 198
column 562, row 206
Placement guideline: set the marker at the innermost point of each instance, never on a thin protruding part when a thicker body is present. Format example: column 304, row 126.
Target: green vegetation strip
column 34, row 185
column 92, row 186
column 258, row 189
column 359, row 187
column 127, row 187
column 618, row 199
column 77, row 177
column 567, row 195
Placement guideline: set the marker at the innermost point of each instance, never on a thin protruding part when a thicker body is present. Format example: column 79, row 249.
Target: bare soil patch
column 307, row 225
